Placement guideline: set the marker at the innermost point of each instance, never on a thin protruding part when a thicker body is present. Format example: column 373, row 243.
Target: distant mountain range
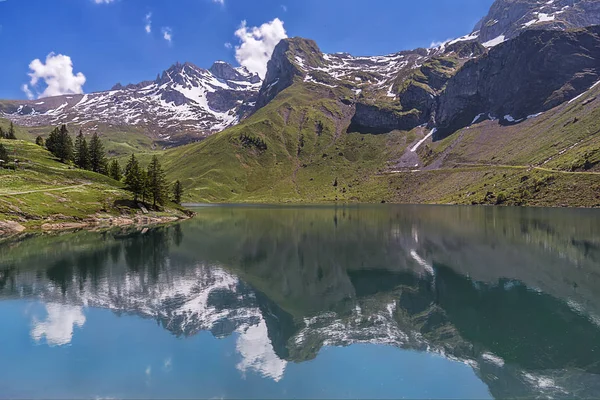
column 186, row 103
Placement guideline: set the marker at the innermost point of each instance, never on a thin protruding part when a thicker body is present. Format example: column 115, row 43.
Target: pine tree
column 39, row 141
column 2, row 134
column 11, row 132
column 114, row 170
column 82, row 154
column 52, row 141
column 133, row 177
column 145, row 193
column 64, row 149
column 177, row 192
column 97, row 155
column 3, row 156
column 157, row 183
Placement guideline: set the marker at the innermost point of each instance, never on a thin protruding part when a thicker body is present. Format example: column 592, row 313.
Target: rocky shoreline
column 9, row 228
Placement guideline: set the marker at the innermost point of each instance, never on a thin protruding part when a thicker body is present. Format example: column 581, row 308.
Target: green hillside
column 296, row 149
column 42, row 190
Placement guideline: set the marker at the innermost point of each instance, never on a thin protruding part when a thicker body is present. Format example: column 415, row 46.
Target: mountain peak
column 226, row 71
column 508, row 18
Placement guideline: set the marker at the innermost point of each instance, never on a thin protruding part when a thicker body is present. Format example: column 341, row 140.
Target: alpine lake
column 259, row 302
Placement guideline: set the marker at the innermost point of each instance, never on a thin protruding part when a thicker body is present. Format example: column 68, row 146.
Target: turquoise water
column 308, row 302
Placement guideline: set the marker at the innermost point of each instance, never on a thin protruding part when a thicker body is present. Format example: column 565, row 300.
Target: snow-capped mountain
column 184, row 103
column 508, row 18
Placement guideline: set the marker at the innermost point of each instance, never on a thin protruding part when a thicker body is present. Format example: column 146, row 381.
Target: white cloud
column 59, row 324
column 103, row 1
column 257, row 353
column 284, row 8
column 148, row 20
column 221, row 2
column 57, row 74
column 28, row 92
column 167, row 34
column 257, row 44
column 228, row 45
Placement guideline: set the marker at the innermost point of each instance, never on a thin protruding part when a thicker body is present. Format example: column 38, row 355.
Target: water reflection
column 511, row 292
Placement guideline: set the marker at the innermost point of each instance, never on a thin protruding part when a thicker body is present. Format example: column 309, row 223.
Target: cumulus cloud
column 167, row 34
column 257, row 353
column 57, row 74
column 257, row 44
column 148, row 20
column 59, row 325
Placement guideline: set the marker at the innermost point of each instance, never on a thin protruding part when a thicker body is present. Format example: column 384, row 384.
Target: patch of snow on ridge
column 493, row 359
column 494, row 42
column 420, row 142
column 477, row 118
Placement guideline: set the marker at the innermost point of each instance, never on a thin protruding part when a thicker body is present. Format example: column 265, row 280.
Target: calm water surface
column 308, row 302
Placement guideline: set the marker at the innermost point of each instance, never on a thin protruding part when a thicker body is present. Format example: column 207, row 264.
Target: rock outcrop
column 532, row 73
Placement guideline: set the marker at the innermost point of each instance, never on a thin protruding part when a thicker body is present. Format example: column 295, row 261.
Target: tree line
column 146, row 184
column 10, row 134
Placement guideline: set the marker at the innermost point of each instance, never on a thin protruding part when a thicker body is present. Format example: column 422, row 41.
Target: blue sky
column 106, row 41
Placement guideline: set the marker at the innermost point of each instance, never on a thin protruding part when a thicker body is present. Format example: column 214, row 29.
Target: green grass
column 310, row 158
column 308, row 152
column 43, row 189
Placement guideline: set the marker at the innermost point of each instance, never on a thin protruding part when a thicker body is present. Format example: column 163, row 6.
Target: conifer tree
column 39, row 141
column 82, row 153
column 145, row 185
column 3, row 156
column 133, row 177
column 177, row 192
column 64, row 149
column 11, row 132
column 52, row 141
column 2, row 134
column 157, row 183
column 114, row 170
column 97, row 155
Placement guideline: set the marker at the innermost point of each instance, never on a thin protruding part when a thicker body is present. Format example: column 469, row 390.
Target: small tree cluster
column 150, row 184
column 10, row 134
column 91, row 157
column 249, row 141
column 39, row 141
column 177, row 192
column 60, row 144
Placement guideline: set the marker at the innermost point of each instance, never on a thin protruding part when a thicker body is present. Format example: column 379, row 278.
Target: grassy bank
column 42, row 192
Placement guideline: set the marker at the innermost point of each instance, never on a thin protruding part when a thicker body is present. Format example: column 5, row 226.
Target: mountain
column 183, row 104
column 344, row 128
column 509, row 18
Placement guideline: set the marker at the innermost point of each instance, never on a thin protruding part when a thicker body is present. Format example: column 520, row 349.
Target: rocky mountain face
column 509, row 18
column 184, row 103
column 532, row 73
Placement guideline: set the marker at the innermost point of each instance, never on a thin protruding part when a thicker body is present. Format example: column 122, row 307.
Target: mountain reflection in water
column 513, row 293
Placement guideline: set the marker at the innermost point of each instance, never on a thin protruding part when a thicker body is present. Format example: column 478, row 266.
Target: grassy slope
column 484, row 164
column 307, row 152
column 42, row 189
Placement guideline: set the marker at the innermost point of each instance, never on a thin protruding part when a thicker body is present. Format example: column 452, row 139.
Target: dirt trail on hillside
column 45, row 190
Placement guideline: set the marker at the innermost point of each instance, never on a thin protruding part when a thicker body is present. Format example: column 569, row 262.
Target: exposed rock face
column 283, row 66
column 183, row 103
column 373, row 119
column 509, row 18
column 532, row 73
